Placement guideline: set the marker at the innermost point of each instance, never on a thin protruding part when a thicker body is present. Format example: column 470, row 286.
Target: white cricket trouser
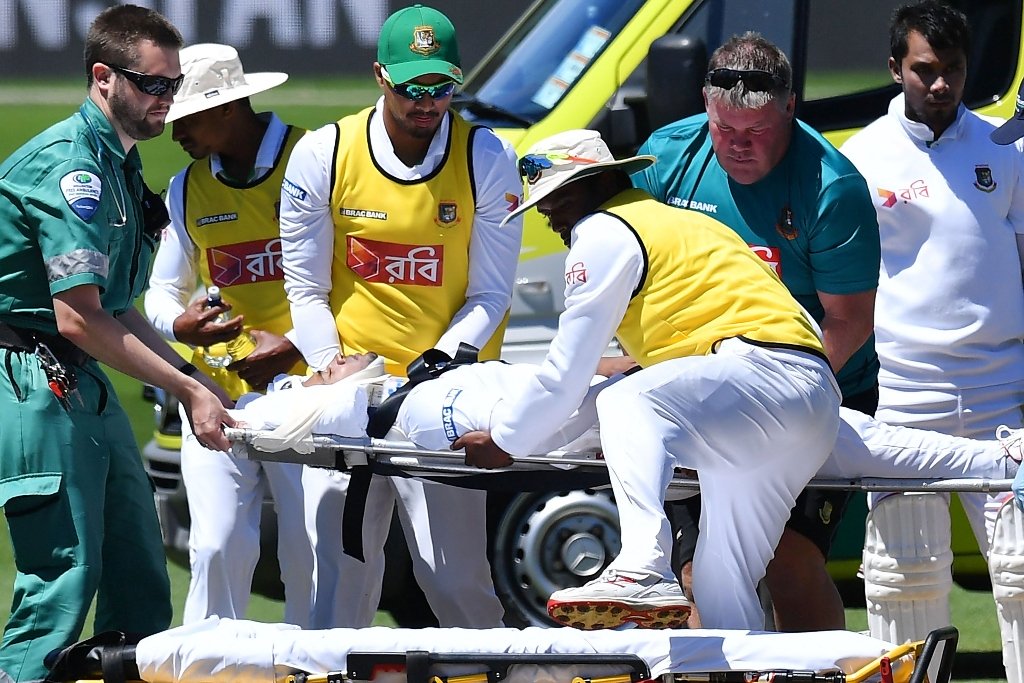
column 972, row 413
column 445, row 527
column 225, row 499
column 756, row 424
column 867, row 447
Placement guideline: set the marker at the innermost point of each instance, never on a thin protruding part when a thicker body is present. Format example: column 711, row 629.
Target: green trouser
column 79, row 508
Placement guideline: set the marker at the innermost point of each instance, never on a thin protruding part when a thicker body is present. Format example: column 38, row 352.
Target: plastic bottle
column 225, row 353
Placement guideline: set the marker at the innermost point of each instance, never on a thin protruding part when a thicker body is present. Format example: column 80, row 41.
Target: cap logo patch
column 424, row 42
column 82, row 191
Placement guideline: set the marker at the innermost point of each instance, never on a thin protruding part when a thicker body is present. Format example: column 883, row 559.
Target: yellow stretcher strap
column 620, row 678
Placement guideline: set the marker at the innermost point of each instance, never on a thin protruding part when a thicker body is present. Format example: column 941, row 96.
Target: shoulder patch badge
column 82, row 190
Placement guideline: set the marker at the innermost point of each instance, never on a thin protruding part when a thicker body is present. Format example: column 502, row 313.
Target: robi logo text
column 245, row 263
column 396, row 264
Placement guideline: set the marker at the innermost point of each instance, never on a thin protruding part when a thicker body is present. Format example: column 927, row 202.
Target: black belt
column 24, row 339
column 432, row 364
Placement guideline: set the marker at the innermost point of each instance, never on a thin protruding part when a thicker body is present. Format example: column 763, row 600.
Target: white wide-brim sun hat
column 214, row 76
column 560, row 159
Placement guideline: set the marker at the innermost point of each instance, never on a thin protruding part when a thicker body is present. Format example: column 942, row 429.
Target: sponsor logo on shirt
column 396, row 264
column 694, row 205
column 983, row 179
column 917, row 190
column 245, row 262
column 82, row 191
column 447, row 214
column 363, row 213
column 216, row 218
column 293, row 190
column 770, row 255
column 448, row 414
column 513, row 201
column 576, row 275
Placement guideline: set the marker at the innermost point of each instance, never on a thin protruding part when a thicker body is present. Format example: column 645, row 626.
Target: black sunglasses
column 754, row 80
column 415, row 91
column 157, row 86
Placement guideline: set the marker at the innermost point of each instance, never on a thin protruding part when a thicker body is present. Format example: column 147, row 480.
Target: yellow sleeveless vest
column 703, row 284
column 235, row 228
column 401, row 248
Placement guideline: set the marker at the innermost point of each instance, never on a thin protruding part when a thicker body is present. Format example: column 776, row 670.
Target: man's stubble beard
column 131, row 117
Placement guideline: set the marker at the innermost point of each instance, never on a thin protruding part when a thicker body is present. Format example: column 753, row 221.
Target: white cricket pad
column 1006, row 569
column 907, row 566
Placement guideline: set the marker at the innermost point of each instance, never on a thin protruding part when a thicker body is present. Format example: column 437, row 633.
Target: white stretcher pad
column 229, row 651
column 340, row 452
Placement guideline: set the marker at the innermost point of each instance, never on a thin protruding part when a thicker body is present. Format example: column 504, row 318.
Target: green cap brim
column 408, row 71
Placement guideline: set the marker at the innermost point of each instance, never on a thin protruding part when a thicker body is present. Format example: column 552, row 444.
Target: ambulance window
column 848, row 83
column 542, row 59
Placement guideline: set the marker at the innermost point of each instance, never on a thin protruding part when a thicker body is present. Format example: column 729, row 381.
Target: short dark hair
column 116, row 32
column 751, row 51
column 942, row 25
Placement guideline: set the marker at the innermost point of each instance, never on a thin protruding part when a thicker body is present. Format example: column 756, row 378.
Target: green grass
column 27, row 108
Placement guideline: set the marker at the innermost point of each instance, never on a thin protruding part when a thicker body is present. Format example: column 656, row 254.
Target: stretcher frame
column 395, row 457
column 407, row 459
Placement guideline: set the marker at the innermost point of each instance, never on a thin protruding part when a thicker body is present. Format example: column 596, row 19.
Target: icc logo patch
column 983, row 178
column 447, row 214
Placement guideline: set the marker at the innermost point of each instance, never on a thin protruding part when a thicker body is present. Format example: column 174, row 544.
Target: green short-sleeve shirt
column 70, row 215
column 811, row 218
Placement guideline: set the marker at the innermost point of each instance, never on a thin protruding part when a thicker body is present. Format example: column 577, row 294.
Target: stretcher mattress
column 230, row 651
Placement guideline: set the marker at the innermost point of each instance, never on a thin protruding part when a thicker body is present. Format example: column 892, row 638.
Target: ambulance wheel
column 548, row 541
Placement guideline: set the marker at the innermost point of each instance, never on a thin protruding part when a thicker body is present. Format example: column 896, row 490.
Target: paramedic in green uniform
column 74, row 254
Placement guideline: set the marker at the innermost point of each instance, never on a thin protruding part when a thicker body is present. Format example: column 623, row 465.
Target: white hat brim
column 630, row 165
column 254, row 83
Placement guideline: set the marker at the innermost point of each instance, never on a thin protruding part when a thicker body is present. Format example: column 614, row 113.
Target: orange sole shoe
column 591, row 616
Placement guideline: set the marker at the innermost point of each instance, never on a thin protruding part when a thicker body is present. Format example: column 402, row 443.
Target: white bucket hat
column 214, row 76
column 562, row 158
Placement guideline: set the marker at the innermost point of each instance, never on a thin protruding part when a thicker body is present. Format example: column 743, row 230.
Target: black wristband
column 188, row 369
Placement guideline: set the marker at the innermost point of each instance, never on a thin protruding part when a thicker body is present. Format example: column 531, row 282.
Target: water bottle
column 224, row 354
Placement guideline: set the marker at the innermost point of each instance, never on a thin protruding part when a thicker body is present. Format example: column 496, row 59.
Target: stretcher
column 237, row 651
column 554, row 471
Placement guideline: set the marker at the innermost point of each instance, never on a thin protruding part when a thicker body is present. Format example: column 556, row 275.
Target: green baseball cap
column 417, row 41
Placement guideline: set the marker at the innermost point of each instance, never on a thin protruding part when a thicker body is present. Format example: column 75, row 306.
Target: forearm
column 842, row 338
column 848, row 323
column 128, row 344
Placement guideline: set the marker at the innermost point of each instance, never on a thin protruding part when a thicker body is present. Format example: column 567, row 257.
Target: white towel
column 338, row 409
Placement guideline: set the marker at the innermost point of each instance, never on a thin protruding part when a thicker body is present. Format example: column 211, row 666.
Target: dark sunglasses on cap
column 532, row 166
column 754, row 80
column 416, row 92
column 157, row 86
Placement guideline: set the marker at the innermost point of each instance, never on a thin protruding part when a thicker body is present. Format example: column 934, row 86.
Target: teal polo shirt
column 811, row 218
column 70, row 215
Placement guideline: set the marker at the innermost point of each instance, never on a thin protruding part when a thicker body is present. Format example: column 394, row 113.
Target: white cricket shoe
column 616, row 598
column 1012, row 441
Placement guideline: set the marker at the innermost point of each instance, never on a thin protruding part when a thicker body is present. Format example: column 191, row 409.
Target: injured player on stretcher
column 437, row 412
